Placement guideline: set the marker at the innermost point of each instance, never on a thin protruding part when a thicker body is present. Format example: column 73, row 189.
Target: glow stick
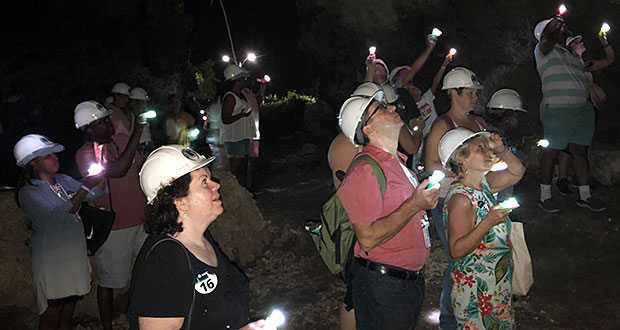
column 543, row 143
column 499, row 166
column 274, row 320
column 95, row 169
column 435, row 179
column 510, row 203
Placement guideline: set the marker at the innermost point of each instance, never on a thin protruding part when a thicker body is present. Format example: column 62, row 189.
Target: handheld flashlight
column 226, row 58
column 95, row 169
column 266, row 79
column 510, row 203
column 452, row 52
column 499, row 166
column 372, row 51
column 561, row 10
column 436, row 33
column 543, row 143
column 604, row 29
column 149, row 114
column 275, row 319
column 435, row 178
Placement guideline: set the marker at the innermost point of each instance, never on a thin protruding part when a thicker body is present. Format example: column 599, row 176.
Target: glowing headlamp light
column 435, row 178
column 95, row 169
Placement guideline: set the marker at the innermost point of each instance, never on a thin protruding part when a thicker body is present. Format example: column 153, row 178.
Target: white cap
column 166, row 164
column 540, row 27
column 89, row 111
column 120, row 88
column 138, row 93
column 505, row 99
column 233, row 72
column 380, row 61
column 452, row 140
column 32, row 146
column 461, row 77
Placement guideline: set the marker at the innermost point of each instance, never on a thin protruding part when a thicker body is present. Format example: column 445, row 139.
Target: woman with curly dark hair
column 181, row 278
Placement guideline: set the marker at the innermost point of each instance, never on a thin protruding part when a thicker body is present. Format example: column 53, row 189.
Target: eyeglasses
column 380, row 106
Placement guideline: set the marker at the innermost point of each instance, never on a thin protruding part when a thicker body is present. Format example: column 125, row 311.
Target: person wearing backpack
column 389, row 219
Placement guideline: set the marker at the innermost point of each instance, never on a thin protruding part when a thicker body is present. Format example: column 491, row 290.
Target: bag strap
column 376, row 168
column 188, row 321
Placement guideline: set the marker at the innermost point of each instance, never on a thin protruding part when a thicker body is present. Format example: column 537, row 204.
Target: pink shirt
column 128, row 199
column 362, row 200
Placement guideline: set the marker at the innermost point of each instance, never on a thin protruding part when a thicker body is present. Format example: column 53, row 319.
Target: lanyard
column 423, row 222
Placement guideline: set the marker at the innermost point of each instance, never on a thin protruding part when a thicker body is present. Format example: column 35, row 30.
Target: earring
column 184, row 214
column 466, row 170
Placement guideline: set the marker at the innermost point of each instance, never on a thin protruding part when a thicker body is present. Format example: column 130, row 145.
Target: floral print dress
column 482, row 280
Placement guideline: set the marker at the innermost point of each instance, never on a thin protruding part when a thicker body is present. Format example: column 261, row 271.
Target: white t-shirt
column 427, row 110
column 243, row 128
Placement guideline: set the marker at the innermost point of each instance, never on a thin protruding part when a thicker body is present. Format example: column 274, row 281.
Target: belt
column 389, row 270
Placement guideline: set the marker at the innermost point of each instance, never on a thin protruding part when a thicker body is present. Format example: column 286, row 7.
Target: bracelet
column 85, row 188
column 503, row 152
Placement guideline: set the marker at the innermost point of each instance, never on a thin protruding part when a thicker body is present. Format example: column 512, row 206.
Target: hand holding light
column 275, row 319
column 435, row 178
column 509, row 204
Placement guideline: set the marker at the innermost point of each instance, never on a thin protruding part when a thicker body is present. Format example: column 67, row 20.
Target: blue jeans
column 446, row 316
column 384, row 302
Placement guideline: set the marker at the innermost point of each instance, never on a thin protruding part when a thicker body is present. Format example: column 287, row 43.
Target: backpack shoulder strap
column 188, row 320
column 376, row 168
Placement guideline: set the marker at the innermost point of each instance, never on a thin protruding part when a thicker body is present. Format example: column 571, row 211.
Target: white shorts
column 115, row 257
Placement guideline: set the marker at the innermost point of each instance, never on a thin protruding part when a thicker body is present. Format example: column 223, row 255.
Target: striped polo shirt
column 564, row 84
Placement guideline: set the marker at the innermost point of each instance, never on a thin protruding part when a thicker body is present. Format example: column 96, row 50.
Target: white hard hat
column 569, row 40
column 452, row 140
column 395, row 72
column 120, row 88
column 89, row 111
column 369, row 89
column 540, row 27
column 233, row 71
column 32, row 146
column 166, row 164
column 380, row 61
column 351, row 114
column 505, row 99
column 138, row 93
column 461, row 77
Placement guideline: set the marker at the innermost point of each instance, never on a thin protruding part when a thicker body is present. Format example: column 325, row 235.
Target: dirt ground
column 575, row 255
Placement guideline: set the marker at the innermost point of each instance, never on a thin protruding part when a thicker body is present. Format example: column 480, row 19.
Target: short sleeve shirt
column 162, row 286
column 361, row 198
column 427, row 110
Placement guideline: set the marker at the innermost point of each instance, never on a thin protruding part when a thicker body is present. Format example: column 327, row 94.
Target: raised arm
column 551, row 35
column 515, row 171
column 418, row 63
column 440, row 72
column 610, row 57
column 370, row 68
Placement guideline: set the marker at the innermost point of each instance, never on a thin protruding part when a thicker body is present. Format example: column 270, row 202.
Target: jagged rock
column 605, row 166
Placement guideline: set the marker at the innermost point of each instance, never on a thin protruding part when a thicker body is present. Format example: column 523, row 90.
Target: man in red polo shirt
column 392, row 231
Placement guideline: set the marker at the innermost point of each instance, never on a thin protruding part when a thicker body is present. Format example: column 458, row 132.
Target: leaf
column 482, row 286
column 501, row 268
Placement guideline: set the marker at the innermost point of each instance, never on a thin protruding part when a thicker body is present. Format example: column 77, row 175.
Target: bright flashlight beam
column 562, row 10
column 274, row 320
column 266, row 79
column 510, row 203
column 95, row 169
column 372, row 50
column 543, row 143
column 194, row 133
column 436, row 33
column 251, row 57
column 452, row 52
column 605, row 28
column 225, row 58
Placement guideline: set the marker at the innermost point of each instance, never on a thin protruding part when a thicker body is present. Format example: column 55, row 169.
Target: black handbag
column 97, row 225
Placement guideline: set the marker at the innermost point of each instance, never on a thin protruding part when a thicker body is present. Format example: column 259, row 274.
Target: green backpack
column 335, row 239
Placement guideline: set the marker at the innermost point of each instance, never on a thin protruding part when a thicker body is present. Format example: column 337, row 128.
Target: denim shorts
column 568, row 125
column 238, row 149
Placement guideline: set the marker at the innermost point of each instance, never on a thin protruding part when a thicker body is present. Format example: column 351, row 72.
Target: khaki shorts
column 115, row 257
